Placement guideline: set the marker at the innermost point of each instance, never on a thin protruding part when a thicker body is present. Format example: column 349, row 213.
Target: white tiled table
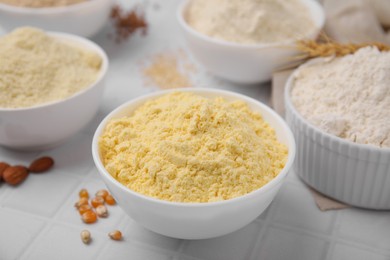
column 38, row 220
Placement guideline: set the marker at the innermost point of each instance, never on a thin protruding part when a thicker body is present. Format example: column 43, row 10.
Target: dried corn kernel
column 84, row 208
column 82, row 201
column 102, row 193
column 85, row 236
column 83, row 193
column 97, row 201
column 89, row 217
column 102, row 211
column 110, row 200
column 115, row 235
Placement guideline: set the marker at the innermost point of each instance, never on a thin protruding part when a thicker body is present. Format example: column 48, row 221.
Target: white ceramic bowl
column 356, row 174
column 44, row 126
column 244, row 63
column 196, row 220
column 83, row 19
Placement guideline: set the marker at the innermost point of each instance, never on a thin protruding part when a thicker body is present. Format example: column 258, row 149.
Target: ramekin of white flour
column 339, row 112
column 244, row 41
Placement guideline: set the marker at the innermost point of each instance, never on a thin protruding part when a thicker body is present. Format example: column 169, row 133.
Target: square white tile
column 237, row 245
column 41, row 194
column 136, row 232
column 14, row 157
column 294, row 206
column 281, row 244
column 115, row 250
column 46, row 246
column 342, row 251
column 367, row 227
column 17, row 231
column 74, row 157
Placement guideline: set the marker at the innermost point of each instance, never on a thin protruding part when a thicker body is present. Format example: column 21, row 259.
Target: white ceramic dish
column 47, row 125
column 196, row 220
column 356, row 174
column 239, row 62
column 83, row 19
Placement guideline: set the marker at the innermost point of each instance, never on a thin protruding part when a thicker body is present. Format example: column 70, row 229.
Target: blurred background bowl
column 196, row 220
column 44, row 126
column 356, row 174
column 244, row 63
column 83, row 19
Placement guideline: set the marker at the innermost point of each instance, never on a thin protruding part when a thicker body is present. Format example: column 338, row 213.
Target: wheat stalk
column 313, row 49
column 325, row 47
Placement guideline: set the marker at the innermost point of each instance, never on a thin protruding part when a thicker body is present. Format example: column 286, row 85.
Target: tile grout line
column 54, row 216
column 98, row 252
column 302, row 231
column 264, row 227
column 180, row 249
column 364, row 247
column 323, row 236
column 69, row 197
column 50, row 222
column 361, row 245
column 166, row 252
column 332, row 237
column 142, row 245
column 265, row 224
column 27, row 250
column 52, row 219
column 5, row 195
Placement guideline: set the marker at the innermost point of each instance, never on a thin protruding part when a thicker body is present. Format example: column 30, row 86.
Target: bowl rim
column 87, row 44
column 268, row 186
column 289, row 105
column 308, row 3
column 49, row 10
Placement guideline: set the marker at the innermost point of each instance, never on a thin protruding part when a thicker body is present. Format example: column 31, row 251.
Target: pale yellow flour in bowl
column 251, row 21
column 38, row 68
column 41, row 3
column 184, row 147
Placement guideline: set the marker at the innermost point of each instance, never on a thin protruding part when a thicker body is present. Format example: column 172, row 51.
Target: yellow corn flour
column 183, row 147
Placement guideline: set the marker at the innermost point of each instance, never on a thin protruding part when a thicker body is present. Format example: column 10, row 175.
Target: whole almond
column 42, row 164
column 15, row 175
column 3, row 166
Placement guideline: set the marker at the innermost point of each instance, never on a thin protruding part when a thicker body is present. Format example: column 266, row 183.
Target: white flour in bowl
column 348, row 97
column 251, row 21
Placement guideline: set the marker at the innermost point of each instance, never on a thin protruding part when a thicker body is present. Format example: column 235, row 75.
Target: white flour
column 251, row 21
column 348, row 97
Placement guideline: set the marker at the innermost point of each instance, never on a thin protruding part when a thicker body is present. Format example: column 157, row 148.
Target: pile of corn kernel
column 91, row 209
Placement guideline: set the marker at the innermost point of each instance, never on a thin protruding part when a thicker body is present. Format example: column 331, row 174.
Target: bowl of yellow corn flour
column 193, row 163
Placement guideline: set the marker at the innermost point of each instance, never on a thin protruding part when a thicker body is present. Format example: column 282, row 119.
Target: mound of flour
column 251, row 21
column 348, row 97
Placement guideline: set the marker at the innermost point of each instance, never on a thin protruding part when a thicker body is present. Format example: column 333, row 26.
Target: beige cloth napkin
column 354, row 21
column 357, row 21
column 325, row 203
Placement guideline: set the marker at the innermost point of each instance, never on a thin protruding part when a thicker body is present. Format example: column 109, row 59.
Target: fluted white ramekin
column 355, row 174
